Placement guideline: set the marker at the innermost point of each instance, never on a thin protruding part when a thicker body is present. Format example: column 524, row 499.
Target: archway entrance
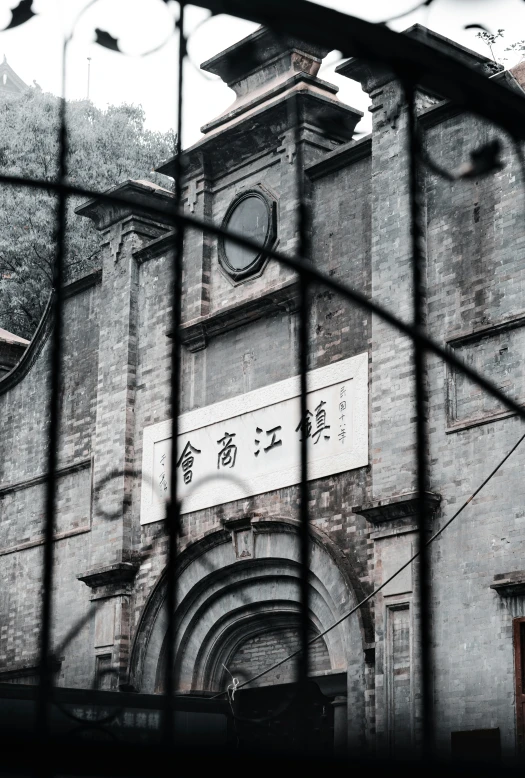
column 238, row 614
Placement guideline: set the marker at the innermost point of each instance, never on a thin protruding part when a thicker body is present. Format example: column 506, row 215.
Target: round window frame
column 257, row 265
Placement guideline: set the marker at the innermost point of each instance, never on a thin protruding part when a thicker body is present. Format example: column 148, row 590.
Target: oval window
column 251, row 216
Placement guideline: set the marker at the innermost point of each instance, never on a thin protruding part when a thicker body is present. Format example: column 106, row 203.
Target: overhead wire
column 388, row 580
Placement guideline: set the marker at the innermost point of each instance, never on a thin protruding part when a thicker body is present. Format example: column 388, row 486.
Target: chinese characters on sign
column 274, row 442
column 228, row 453
column 163, row 483
column 342, row 415
column 251, row 443
column 314, row 426
column 305, row 426
column 186, row 460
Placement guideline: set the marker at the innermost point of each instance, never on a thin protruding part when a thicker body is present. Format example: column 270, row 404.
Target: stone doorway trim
column 223, row 594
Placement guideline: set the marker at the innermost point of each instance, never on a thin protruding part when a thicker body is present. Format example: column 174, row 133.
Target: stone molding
column 196, row 333
column 403, row 506
column 260, row 523
column 110, row 580
column 27, row 668
column 371, row 75
column 26, row 483
column 81, row 284
column 156, row 248
column 509, row 584
column 259, row 53
column 474, row 337
column 263, row 127
column 279, row 89
column 335, row 160
column 139, row 198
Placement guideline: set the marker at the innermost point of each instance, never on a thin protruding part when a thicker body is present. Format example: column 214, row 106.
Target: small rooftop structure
column 12, row 348
column 10, row 82
column 266, row 72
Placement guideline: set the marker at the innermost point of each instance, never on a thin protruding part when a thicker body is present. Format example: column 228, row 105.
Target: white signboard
column 250, row 444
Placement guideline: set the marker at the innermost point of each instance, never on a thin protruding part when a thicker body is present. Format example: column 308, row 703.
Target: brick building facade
column 238, row 566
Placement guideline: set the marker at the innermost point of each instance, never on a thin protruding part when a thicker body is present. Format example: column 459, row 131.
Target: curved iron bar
column 156, row 48
column 189, row 58
column 409, row 12
column 372, row 594
column 97, row 723
column 300, row 19
column 111, row 476
column 431, row 67
column 300, row 265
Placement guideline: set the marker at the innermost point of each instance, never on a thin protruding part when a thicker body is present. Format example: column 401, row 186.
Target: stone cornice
column 259, row 53
column 81, row 284
column 110, row 580
column 156, row 248
column 196, row 333
column 509, row 584
column 140, row 197
column 262, row 128
column 403, row 506
column 372, row 75
column 236, row 111
column 340, row 158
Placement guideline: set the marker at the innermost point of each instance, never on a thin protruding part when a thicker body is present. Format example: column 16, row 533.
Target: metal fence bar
column 472, row 91
column 374, row 42
column 421, row 408
column 310, row 271
column 57, row 302
column 302, row 222
column 173, row 506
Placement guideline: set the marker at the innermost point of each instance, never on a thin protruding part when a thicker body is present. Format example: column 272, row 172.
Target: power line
column 394, row 575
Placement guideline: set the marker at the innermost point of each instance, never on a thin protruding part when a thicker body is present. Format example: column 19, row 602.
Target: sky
column 34, row 50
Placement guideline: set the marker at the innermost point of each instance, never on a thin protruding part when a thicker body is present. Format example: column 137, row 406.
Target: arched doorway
column 238, row 613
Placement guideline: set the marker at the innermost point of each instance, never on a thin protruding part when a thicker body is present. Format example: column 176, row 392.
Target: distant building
column 12, row 348
column 10, row 82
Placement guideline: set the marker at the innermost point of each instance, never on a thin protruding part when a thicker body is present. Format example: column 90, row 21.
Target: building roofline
column 34, row 349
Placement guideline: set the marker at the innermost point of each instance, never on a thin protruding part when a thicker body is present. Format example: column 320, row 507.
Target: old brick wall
column 24, row 427
column 260, row 353
column 359, row 206
column 264, row 352
column 258, row 653
column 475, row 244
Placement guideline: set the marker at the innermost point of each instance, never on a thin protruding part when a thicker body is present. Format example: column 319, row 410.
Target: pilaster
column 392, row 504
column 124, row 229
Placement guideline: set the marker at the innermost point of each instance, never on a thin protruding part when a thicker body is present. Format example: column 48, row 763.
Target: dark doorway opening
column 273, row 718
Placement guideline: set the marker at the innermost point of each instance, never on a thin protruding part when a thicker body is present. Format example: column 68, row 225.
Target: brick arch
column 266, row 639
column 223, row 599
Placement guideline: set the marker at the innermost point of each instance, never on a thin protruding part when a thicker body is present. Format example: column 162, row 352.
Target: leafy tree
column 104, row 148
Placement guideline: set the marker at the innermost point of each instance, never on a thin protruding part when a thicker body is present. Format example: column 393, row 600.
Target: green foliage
column 491, row 39
column 105, row 147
